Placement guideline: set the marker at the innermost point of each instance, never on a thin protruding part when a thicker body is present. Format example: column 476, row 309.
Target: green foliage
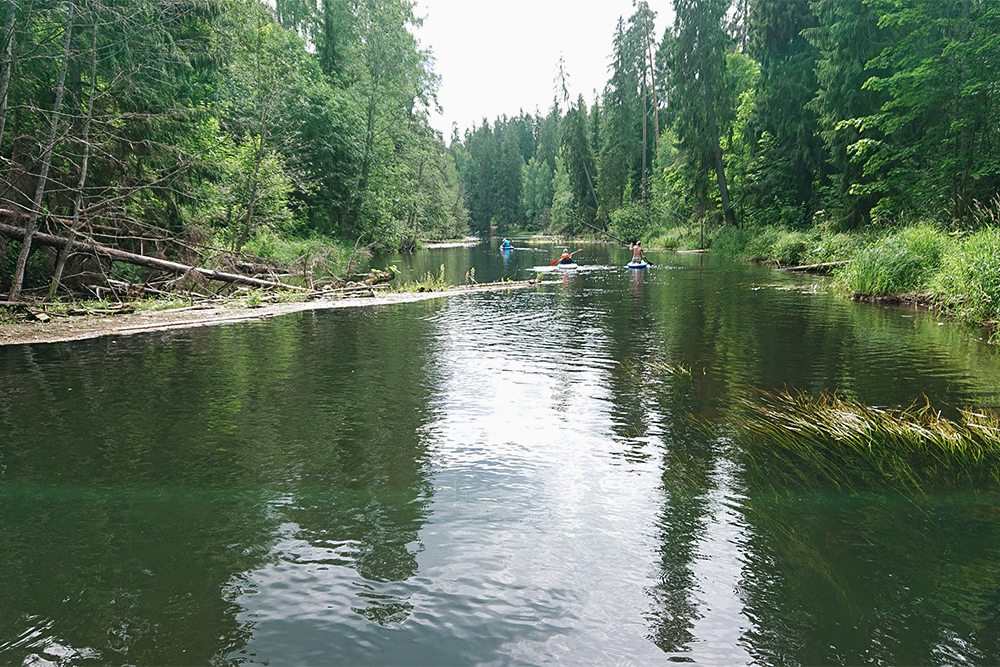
column 630, row 222
column 36, row 271
column 229, row 117
column 315, row 253
column 938, row 129
column 129, row 273
column 702, row 99
column 625, row 117
column 781, row 131
column 969, row 280
column 564, row 216
column 680, row 238
column 900, row 263
column 785, row 247
column 581, row 169
column 536, row 196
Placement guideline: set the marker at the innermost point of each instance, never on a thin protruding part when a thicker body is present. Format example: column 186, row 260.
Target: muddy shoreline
column 63, row 329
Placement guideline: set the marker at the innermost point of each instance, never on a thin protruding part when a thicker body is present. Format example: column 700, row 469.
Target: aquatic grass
column 840, row 440
column 640, row 369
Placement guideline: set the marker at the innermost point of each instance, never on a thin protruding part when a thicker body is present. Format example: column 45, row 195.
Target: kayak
column 567, row 265
column 637, row 264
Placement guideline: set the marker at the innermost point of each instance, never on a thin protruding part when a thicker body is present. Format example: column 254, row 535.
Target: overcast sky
column 498, row 58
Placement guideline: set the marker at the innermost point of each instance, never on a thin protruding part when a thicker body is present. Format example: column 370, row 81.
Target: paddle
column 571, row 254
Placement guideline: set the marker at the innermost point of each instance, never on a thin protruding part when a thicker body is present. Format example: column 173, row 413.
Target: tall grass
column 969, row 280
column 845, row 442
column 903, row 262
column 785, row 247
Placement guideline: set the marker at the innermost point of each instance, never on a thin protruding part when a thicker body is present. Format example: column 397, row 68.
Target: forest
column 220, row 132
column 760, row 112
column 236, row 133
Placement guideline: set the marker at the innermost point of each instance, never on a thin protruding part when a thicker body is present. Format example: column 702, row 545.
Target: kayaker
column 637, row 254
column 565, row 258
column 505, row 244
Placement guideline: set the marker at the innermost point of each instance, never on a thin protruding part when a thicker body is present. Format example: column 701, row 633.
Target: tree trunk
column 48, row 147
column 139, row 260
column 656, row 105
column 78, row 202
column 8, row 63
column 720, row 169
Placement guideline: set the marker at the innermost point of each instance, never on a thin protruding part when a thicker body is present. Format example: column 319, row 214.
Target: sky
column 501, row 57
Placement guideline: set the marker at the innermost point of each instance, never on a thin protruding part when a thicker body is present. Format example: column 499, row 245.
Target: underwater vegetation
column 839, row 440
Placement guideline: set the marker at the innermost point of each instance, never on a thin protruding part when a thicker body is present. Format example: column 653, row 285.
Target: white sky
column 498, row 58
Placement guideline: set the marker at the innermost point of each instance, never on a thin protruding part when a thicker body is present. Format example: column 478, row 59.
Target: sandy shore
column 60, row 329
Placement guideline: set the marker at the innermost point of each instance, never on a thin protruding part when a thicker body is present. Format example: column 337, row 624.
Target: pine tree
column 696, row 57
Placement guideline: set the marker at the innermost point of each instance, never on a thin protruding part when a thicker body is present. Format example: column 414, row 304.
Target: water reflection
column 499, row 478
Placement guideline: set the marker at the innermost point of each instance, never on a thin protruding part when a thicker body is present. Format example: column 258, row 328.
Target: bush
column 322, row 255
column 903, row 262
column 630, row 222
column 765, row 244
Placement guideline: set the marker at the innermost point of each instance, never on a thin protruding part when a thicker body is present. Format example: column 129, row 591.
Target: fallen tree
column 99, row 250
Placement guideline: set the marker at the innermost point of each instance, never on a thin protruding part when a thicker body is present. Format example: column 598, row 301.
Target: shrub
column 630, row 222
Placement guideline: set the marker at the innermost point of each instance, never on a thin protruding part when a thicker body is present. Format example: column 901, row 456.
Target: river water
column 497, row 478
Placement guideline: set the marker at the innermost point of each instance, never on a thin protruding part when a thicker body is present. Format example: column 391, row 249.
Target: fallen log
column 17, row 233
column 815, row 268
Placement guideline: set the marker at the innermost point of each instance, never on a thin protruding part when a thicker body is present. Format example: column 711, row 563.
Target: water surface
column 483, row 479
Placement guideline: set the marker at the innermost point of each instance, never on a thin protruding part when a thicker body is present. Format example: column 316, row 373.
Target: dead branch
column 141, row 260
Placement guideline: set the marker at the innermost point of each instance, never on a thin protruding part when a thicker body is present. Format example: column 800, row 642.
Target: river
column 499, row 478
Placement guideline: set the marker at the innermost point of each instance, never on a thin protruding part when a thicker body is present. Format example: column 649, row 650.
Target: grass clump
column 901, row 263
column 845, row 442
column 153, row 304
column 969, row 280
column 677, row 238
column 429, row 283
column 315, row 254
column 784, row 247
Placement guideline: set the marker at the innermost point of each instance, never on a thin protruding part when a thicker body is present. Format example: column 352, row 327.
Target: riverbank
column 953, row 273
column 69, row 328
